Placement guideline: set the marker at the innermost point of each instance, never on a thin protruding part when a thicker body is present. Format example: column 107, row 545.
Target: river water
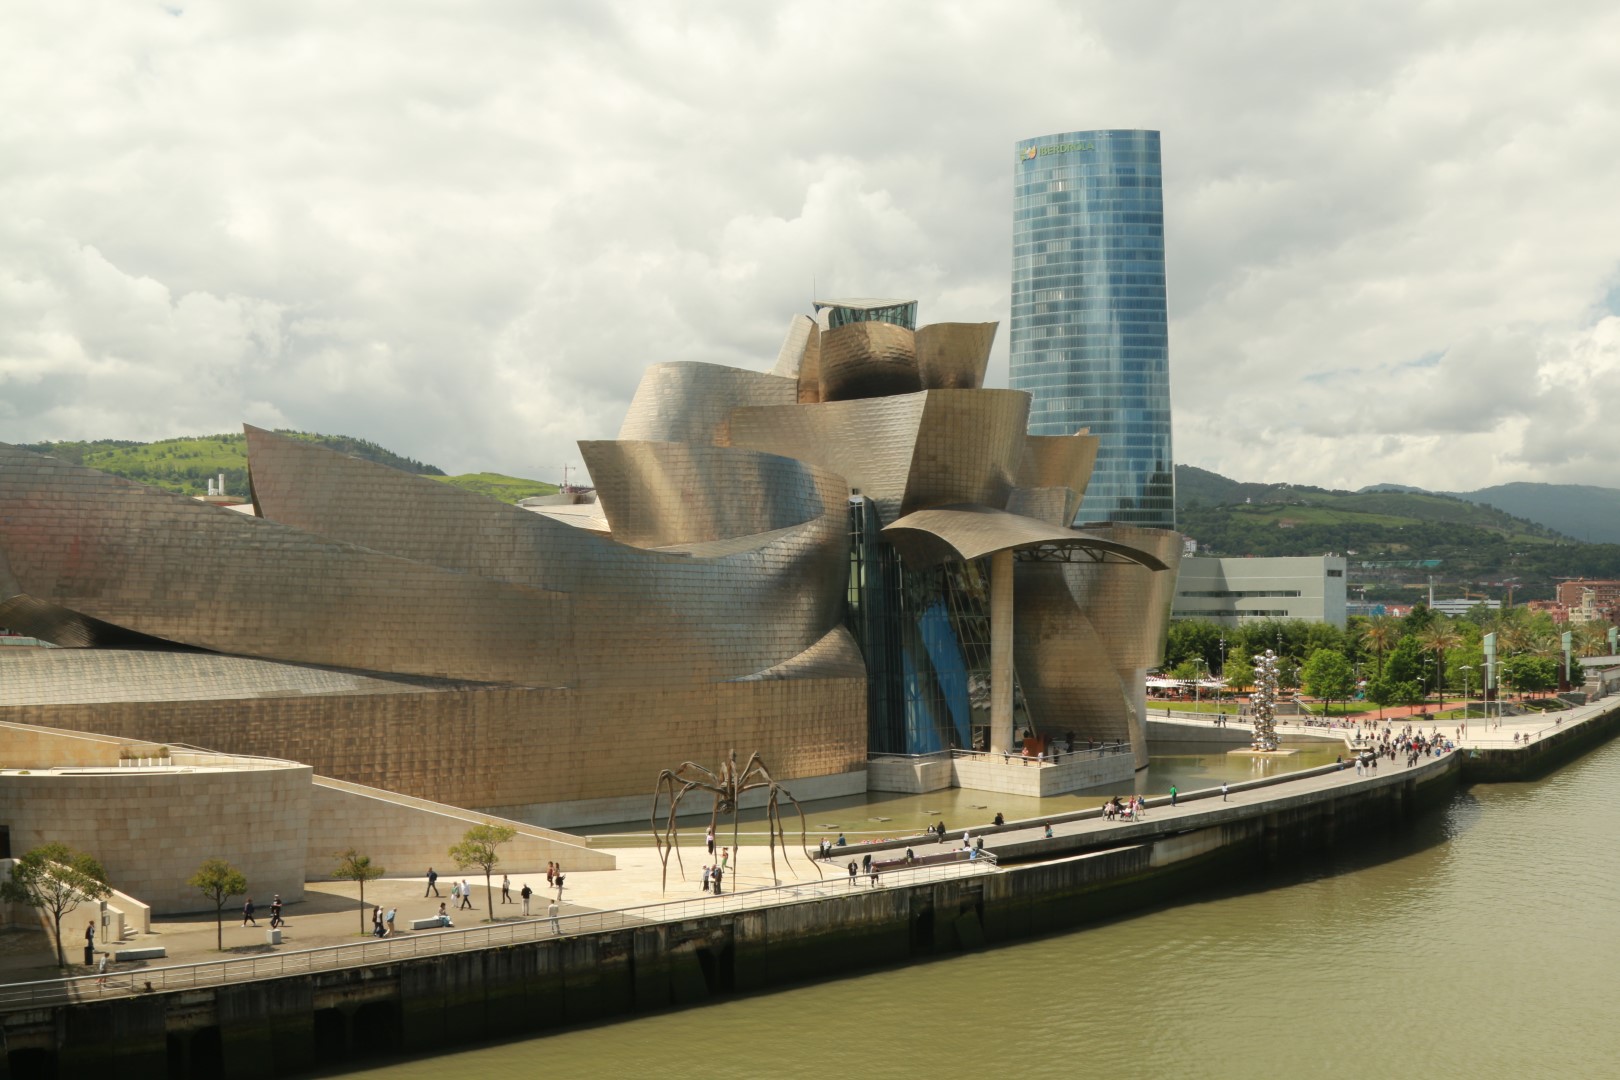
column 1482, row 942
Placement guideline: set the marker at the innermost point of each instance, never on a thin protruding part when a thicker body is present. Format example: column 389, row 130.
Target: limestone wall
column 406, row 836
column 150, row 828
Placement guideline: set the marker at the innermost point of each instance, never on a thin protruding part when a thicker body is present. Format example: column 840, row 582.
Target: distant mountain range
column 1576, row 511
column 1526, row 535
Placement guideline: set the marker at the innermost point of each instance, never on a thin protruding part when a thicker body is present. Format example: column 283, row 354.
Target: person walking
column 90, row 942
column 719, row 875
column 559, row 881
column 247, row 913
column 551, row 874
column 1173, row 794
column 433, row 883
column 376, row 922
column 551, row 911
column 455, row 893
column 275, row 913
column 466, row 894
column 852, row 869
column 388, row 923
column 525, row 892
column 506, row 890
column 101, row 971
column 709, row 839
column 708, row 871
column 725, row 858
column 1223, row 791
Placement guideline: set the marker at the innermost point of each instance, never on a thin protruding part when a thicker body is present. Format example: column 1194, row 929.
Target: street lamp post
column 1466, row 668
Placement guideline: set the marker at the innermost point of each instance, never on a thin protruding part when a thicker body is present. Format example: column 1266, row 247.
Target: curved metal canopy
column 951, row 533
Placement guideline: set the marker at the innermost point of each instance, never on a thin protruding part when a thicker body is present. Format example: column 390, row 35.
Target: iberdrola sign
column 1031, row 153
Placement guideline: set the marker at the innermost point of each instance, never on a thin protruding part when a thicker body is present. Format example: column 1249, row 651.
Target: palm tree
column 1440, row 637
column 1380, row 633
column 1592, row 638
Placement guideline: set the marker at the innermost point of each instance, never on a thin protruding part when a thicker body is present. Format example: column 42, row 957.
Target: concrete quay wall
column 279, row 1026
column 1555, row 746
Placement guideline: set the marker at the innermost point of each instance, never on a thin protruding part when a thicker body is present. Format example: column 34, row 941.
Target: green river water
column 1483, row 942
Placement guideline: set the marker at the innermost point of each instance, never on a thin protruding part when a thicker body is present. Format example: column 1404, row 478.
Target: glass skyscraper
column 1089, row 327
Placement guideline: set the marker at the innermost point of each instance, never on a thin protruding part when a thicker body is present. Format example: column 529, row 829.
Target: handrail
column 16, row 996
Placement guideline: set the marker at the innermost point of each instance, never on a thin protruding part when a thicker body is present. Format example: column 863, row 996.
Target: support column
column 1001, row 651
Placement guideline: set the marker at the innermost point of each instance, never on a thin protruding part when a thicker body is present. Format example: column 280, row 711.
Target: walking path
column 330, row 914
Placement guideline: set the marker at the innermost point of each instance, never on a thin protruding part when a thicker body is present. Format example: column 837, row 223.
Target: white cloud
column 464, row 231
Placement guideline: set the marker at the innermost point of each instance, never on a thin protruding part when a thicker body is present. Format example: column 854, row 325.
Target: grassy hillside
column 1391, row 536
column 508, row 489
column 185, row 465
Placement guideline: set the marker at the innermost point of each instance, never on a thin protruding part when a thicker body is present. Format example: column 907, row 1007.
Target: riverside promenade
column 624, row 945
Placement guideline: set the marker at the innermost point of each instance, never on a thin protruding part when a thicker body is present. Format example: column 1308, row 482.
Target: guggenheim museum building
column 859, row 552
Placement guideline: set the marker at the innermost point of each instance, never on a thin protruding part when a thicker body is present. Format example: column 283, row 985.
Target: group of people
column 1411, row 741
column 383, row 925
column 714, row 875
column 1132, row 809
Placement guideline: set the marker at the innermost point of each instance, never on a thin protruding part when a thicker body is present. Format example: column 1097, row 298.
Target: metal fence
column 124, row 982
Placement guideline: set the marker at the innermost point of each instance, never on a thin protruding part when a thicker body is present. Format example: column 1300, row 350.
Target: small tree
column 219, row 881
column 477, row 848
column 357, row 867
column 57, row 879
column 1328, row 675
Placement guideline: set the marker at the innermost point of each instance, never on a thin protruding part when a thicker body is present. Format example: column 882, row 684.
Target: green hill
column 186, row 465
column 1398, row 537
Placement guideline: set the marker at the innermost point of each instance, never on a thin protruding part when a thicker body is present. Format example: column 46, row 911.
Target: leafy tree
column 1530, row 674
column 1238, row 673
column 1405, row 662
column 477, row 848
column 1383, row 690
column 353, row 866
column 219, row 881
column 1328, row 675
column 55, row 878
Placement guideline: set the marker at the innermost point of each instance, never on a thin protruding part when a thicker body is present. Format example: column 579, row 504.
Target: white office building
column 1235, row 591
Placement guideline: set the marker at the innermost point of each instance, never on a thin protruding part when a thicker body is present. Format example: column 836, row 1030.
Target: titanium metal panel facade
column 1089, row 325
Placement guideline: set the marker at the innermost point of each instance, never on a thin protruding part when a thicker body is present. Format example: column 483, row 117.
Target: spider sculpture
column 727, row 785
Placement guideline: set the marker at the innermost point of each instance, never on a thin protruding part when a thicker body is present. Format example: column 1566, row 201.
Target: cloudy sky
column 462, row 230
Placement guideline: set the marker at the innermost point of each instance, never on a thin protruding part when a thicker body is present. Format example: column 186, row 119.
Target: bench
column 426, row 924
column 149, row 952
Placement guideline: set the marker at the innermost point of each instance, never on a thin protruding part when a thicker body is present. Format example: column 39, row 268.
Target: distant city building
column 1089, row 324
column 1463, row 606
column 1559, row 613
column 1590, row 600
column 1236, row 591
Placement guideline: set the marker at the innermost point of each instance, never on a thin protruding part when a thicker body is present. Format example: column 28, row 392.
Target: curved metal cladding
column 905, row 452
column 685, row 401
column 790, row 357
column 869, row 443
column 747, row 605
column 1057, row 461
column 953, row 356
column 656, row 494
column 1129, row 606
column 1052, row 476
column 868, row 359
column 968, row 448
column 627, row 665
column 1063, row 666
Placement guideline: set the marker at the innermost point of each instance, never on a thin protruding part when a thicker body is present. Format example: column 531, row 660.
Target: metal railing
column 16, row 996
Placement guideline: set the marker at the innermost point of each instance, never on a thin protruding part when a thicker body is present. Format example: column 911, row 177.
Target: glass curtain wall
column 1089, row 334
